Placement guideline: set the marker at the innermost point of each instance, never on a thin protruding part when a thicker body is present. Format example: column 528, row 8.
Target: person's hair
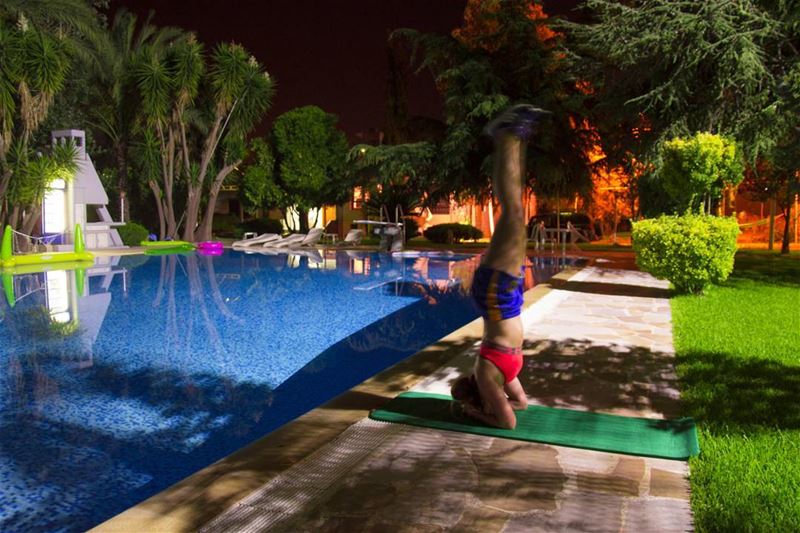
column 465, row 390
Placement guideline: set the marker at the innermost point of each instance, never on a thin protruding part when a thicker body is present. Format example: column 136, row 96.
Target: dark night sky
column 329, row 53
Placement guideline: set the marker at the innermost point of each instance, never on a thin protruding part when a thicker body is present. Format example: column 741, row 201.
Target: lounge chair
column 260, row 240
column 353, row 238
column 313, row 237
column 293, row 239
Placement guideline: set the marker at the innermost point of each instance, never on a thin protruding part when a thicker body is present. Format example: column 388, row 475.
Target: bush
column 691, row 251
column 697, row 167
column 225, row 225
column 452, row 233
column 262, row 225
column 411, row 227
column 132, row 233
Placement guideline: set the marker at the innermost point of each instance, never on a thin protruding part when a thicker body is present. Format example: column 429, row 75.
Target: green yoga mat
column 667, row 439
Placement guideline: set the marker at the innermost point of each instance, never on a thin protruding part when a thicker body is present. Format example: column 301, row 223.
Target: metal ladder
column 393, row 234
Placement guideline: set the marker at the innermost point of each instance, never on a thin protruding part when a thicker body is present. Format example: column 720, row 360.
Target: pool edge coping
column 197, row 499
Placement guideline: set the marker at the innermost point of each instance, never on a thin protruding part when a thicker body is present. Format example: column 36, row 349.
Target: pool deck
column 597, row 339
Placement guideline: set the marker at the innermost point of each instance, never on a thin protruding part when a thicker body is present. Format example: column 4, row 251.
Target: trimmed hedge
column 691, row 251
column 133, row 233
column 452, row 233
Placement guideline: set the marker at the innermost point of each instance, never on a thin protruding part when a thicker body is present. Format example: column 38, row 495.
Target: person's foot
column 518, row 120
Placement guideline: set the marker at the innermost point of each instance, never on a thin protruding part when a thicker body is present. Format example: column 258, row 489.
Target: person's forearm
column 488, row 418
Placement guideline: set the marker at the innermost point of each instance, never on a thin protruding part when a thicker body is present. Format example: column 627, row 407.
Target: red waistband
column 505, row 350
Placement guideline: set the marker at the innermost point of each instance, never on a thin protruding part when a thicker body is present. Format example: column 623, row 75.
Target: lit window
column 359, row 197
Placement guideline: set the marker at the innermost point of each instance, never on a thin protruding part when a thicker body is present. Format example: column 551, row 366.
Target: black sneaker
column 518, row 120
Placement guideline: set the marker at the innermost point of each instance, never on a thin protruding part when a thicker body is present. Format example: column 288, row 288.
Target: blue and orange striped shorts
column 497, row 293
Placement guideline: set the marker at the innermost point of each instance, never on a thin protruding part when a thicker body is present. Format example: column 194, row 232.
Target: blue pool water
column 166, row 364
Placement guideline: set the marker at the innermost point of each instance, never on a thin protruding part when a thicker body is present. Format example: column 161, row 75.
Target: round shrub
column 411, row 227
column 451, row 233
column 262, row 225
column 691, row 251
column 132, row 233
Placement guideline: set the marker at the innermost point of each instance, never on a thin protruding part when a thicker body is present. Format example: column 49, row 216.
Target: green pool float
column 10, row 261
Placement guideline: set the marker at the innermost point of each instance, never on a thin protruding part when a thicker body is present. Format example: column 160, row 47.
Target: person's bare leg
column 506, row 250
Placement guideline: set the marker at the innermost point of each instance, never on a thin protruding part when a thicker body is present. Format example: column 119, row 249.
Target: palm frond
column 229, row 73
column 155, row 83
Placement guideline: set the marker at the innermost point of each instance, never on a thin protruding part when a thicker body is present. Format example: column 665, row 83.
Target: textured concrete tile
column 574, row 460
column 610, row 484
column 519, row 477
column 657, row 515
column 415, row 480
column 482, row 519
column 577, row 512
column 668, row 484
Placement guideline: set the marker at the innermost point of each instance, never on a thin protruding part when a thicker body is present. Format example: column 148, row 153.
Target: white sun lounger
column 353, row 238
column 260, row 240
column 313, row 237
column 293, row 239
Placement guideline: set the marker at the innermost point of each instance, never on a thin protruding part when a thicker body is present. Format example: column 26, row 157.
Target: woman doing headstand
column 493, row 391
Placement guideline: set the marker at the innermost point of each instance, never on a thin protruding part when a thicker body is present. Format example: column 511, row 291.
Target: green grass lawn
column 738, row 350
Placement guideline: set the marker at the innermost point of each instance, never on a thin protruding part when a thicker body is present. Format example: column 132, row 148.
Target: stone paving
column 601, row 341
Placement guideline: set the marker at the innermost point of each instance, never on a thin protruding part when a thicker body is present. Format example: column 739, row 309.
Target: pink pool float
column 210, row 248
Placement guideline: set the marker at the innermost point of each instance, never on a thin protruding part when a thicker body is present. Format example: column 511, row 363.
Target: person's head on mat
column 498, row 284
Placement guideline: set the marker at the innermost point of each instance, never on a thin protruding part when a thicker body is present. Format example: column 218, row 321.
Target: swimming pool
column 163, row 365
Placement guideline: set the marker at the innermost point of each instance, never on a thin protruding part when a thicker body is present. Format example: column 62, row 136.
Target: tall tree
column 392, row 176
column 396, row 123
column 505, row 53
column 257, row 185
column 37, row 47
column 309, row 156
column 767, row 183
column 114, row 85
column 196, row 120
column 660, row 69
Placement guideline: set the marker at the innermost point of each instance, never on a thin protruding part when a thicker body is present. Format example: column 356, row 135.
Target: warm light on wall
column 54, row 208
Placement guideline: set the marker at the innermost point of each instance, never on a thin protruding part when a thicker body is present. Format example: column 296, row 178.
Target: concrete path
column 602, row 342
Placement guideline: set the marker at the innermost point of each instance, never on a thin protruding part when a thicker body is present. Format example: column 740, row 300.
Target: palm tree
column 32, row 70
column 117, row 111
column 242, row 93
column 168, row 81
column 38, row 40
column 193, row 135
